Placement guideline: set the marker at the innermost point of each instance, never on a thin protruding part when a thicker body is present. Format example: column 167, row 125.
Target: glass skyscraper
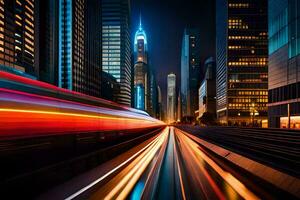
column 79, row 67
column 284, row 64
column 171, row 98
column 17, row 36
column 242, row 61
column 116, row 49
column 190, row 71
column 141, row 71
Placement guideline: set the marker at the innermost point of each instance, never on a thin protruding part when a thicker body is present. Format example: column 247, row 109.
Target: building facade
column 284, row 64
column 141, row 70
column 79, row 31
column 207, row 89
column 47, row 46
column 171, row 98
column 18, row 36
column 116, row 47
column 190, row 71
column 160, row 105
column 110, row 88
column 242, row 61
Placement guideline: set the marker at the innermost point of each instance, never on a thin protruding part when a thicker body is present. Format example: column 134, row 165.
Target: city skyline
column 150, row 99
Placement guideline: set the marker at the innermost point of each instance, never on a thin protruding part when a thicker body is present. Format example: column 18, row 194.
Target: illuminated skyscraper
column 116, row 49
column 242, row 61
column 17, row 36
column 284, row 64
column 171, row 98
column 190, row 71
column 78, row 31
column 141, row 76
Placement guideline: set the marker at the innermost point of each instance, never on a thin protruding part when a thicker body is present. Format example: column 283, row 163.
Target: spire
column 140, row 21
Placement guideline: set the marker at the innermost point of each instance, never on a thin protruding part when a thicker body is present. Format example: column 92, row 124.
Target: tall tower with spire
column 141, row 75
column 140, row 44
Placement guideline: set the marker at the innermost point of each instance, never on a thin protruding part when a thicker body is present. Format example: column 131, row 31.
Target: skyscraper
column 17, row 36
column 47, row 45
column 207, row 89
column 171, row 98
column 190, row 71
column 141, row 70
column 152, row 107
column 116, row 49
column 78, row 46
column 284, row 64
column 242, row 61
column 160, row 106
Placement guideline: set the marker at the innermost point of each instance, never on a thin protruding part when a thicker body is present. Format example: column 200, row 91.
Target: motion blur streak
column 112, row 171
column 43, row 109
column 122, row 184
column 195, row 149
column 179, row 170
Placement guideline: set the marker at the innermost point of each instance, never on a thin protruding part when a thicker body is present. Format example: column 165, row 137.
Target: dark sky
column 164, row 22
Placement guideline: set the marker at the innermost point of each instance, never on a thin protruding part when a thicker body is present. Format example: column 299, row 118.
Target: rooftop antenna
column 140, row 21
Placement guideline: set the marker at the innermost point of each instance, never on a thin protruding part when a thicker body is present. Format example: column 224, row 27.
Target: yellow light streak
column 66, row 114
column 79, row 192
column 124, row 186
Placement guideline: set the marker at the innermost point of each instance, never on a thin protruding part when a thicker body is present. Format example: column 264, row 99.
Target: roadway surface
column 170, row 165
column 274, row 147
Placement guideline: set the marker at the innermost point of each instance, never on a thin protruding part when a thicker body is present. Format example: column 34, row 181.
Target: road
column 170, row 165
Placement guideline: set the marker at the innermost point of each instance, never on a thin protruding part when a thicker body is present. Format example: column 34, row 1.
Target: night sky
column 164, row 22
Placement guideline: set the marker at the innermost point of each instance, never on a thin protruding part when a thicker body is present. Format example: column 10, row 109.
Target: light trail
column 194, row 149
column 81, row 191
column 42, row 109
column 127, row 183
column 64, row 114
column 178, row 167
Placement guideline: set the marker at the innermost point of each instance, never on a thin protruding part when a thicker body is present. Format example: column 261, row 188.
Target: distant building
column 242, row 61
column 178, row 113
column 145, row 88
column 152, row 107
column 116, row 47
column 141, row 70
column 171, row 98
column 284, row 64
column 160, row 105
column 18, row 36
column 110, row 88
column 190, row 71
column 207, row 90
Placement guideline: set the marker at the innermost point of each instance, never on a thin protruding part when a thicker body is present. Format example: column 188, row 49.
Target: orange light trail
column 228, row 177
column 122, row 184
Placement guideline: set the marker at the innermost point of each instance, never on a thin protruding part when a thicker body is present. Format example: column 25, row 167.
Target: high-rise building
column 78, row 46
column 190, row 71
column 178, row 113
column 171, row 98
column 152, row 107
column 284, row 64
column 207, row 89
column 141, row 70
column 92, row 42
column 109, row 87
column 47, row 45
column 242, row 61
column 116, row 49
column 160, row 106
column 17, row 36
